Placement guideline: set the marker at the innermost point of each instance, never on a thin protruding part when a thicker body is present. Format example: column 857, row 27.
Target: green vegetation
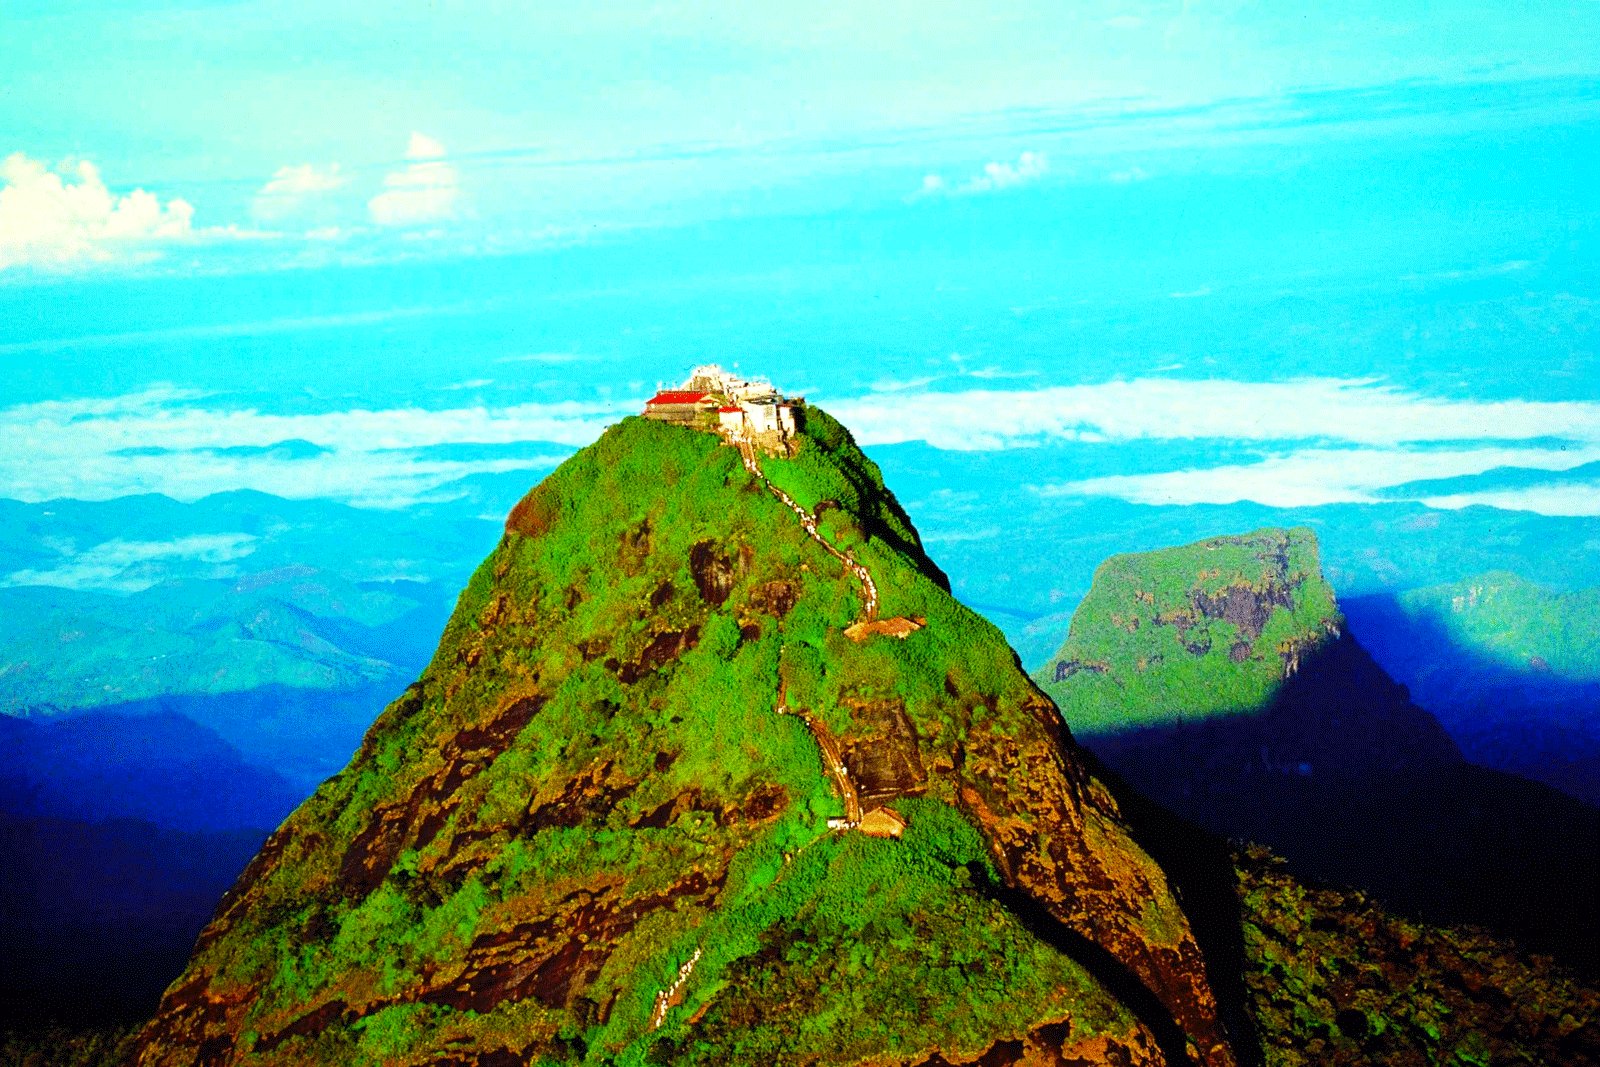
column 1334, row 980
column 61, row 1046
column 1514, row 622
column 1210, row 628
column 592, row 783
column 873, row 949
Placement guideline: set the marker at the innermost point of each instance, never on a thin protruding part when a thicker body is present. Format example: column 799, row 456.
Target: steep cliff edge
column 650, row 803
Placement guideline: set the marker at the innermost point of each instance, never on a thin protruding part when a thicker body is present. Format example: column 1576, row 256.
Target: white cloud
column 425, row 190
column 1129, row 174
column 1312, row 477
column 1362, row 412
column 289, row 190
column 546, row 357
column 1471, row 273
column 57, row 221
column 1029, row 167
column 1581, row 499
column 995, row 176
column 174, row 442
column 995, row 373
column 899, row 385
column 129, row 566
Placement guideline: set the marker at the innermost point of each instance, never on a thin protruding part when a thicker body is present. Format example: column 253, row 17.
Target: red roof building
column 675, row 396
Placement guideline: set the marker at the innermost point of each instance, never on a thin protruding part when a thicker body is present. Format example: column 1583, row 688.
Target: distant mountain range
column 279, row 624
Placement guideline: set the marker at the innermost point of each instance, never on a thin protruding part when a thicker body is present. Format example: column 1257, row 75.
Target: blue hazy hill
column 162, row 769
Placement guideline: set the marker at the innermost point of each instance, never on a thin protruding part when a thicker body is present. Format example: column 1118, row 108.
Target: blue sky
column 1179, row 254
column 288, row 127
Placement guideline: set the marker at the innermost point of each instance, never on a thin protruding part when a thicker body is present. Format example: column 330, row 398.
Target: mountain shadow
column 97, row 918
column 118, row 834
column 159, row 768
column 304, row 735
column 1526, row 719
column 1216, row 678
column 1353, row 784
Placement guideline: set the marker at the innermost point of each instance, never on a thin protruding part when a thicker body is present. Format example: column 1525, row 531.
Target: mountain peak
column 652, row 799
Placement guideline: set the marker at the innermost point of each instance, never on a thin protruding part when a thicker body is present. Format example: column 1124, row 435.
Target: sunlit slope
column 1212, row 628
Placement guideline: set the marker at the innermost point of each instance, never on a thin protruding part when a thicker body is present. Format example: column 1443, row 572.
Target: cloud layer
column 1315, row 476
column 58, row 220
column 423, row 191
column 1322, row 441
column 128, row 566
column 1315, row 441
column 1360, row 411
column 187, row 445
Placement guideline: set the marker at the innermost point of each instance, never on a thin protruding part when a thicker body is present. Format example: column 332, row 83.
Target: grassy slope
column 1142, row 651
column 836, row 934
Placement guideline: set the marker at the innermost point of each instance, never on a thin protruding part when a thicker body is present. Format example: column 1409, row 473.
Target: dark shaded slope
column 305, row 735
column 96, row 919
column 1354, row 784
column 118, row 836
column 1525, row 718
column 158, row 768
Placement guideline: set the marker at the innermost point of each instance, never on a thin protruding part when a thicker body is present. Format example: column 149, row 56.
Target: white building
column 749, row 408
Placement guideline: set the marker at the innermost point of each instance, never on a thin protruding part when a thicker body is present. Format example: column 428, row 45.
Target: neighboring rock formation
column 1217, row 679
column 597, row 829
column 1189, row 633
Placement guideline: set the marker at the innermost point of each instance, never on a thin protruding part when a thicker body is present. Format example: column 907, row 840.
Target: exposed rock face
column 596, row 829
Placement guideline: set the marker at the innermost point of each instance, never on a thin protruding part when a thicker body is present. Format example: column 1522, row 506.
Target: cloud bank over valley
column 1310, row 442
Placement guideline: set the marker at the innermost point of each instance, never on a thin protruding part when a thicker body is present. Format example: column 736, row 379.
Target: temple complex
column 739, row 409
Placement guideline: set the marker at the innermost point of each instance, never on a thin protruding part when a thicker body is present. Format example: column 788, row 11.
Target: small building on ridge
column 739, row 409
column 686, row 406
